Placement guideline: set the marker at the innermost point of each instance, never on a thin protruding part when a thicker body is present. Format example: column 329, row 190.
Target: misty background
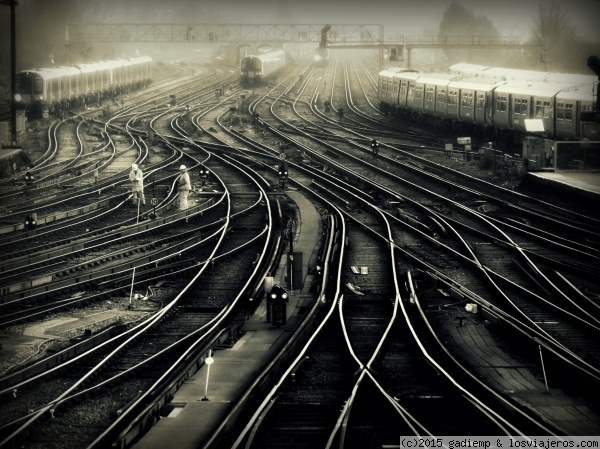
column 568, row 28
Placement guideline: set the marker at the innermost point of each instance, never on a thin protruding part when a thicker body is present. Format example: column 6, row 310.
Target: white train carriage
column 69, row 87
column 474, row 102
column 518, row 101
column 389, row 88
column 571, row 102
column 406, row 92
column 56, row 86
column 433, row 89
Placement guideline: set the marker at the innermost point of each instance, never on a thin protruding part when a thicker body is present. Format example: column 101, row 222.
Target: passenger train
column 503, row 105
column 61, row 88
column 257, row 69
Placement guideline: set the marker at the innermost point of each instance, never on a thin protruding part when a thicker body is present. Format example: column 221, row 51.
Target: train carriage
column 389, row 87
column 60, row 88
column 518, row 101
column 494, row 98
column 571, row 102
column 57, row 86
column 475, row 100
column 435, row 88
column 406, row 92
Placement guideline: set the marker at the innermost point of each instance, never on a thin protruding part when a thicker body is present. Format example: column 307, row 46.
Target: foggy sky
column 510, row 17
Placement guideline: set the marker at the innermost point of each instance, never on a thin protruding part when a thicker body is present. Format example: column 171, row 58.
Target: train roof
column 572, row 78
column 437, row 79
column 581, row 92
column 531, row 88
column 515, row 74
column 408, row 75
column 391, row 71
column 86, row 67
column 140, row 59
column 475, row 83
column 466, row 68
column 54, row 72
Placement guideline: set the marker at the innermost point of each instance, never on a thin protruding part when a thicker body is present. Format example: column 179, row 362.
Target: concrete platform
column 193, row 419
column 585, row 185
column 474, row 344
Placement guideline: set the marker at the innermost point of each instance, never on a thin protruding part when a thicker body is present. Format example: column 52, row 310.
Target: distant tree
column 460, row 24
column 562, row 50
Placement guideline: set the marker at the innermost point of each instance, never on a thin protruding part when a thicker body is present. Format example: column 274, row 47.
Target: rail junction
column 338, row 279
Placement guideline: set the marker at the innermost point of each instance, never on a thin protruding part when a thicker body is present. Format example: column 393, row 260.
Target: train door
column 441, row 102
column 395, row 97
column 542, row 110
column 453, row 103
column 382, row 88
column 429, row 99
column 480, row 107
column 403, row 93
column 417, row 104
column 565, row 115
column 502, row 110
column 521, row 111
column 466, row 111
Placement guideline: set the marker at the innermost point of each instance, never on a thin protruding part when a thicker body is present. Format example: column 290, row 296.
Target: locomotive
column 257, row 69
column 60, row 88
column 502, row 105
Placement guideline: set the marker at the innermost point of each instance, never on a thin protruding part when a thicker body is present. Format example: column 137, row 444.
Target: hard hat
column 183, row 167
column 134, row 167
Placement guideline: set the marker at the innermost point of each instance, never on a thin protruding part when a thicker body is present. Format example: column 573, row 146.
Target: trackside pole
column 132, row 281
column 209, row 361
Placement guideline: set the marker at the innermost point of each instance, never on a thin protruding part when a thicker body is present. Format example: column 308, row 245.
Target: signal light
column 30, row 221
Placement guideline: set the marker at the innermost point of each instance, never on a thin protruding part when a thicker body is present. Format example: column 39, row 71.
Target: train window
column 520, row 106
column 569, row 111
column 452, row 97
column 560, row 110
column 480, row 101
column 548, row 110
column 467, row 99
column 539, row 109
column 441, row 96
column 501, row 104
column 429, row 94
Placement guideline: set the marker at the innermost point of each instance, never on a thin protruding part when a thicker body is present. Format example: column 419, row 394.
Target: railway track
column 382, row 354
